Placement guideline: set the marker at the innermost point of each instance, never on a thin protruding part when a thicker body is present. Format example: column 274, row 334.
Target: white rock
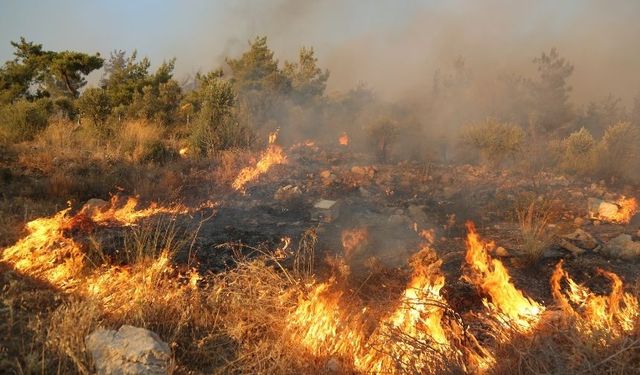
column 623, row 246
column 128, row 351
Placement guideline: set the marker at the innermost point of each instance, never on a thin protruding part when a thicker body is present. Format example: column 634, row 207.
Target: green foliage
column 124, row 77
column 578, row 153
column 550, row 92
column 95, row 104
column 157, row 152
column 36, row 73
column 308, row 81
column 217, row 125
column 495, row 141
column 618, row 153
column 23, row 119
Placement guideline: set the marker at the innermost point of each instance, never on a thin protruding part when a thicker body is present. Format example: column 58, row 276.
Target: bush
column 156, row 152
column 23, row 119
column 209, row 134
column 495, row 141
column 618, row 153
column 578, row 153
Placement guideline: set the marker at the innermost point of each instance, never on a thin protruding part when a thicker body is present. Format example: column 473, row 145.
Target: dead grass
column 534, row 216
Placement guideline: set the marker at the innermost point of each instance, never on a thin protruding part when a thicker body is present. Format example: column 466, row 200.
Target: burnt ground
column 392, row 200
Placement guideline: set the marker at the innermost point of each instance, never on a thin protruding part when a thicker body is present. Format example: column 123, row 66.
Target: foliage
column 618, row 153
column 495, row 141
column 550, row 91
column 308, row 81
column 578, row 152
column 95, row 104
column 23, row 119
column 36, row 73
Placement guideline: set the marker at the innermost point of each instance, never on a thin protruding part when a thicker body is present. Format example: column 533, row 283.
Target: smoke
column 397, row 48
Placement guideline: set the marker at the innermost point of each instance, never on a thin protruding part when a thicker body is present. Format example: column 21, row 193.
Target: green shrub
column 157, row 152
column 22, row 120
column 208, row 134
column 578, row 153
column 618, row 153
column 495, row 141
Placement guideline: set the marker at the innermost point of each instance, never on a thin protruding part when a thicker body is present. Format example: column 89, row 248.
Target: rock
column 582, row 239
column 325, row 174
column 501, row 252
column 623, row 246
column 93, row 206
column 325, row 210
column 578, row 221
column 128, row 351
column 599, row 208
column 288, row 192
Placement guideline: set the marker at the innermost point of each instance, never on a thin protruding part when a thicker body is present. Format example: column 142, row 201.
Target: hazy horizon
column 392, row 47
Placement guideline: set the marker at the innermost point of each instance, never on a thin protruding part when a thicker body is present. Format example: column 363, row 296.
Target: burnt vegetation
column 259, row 224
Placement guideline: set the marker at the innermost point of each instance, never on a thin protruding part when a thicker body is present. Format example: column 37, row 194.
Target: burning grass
column 264, row 317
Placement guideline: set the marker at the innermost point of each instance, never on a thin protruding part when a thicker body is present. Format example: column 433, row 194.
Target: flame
column 353, row 239
column 493, row 279
column 274, row 155
column 344, row 139
column 627, row 208
column 324, row 328
column 49, row 254
column 618, row 312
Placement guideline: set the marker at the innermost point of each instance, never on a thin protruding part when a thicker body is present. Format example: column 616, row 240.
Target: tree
column 260, row 84
column 36, row 73
column 124, row 77
column 550, row 91
column 308, row 81
column 160, row 97
column 95, row 104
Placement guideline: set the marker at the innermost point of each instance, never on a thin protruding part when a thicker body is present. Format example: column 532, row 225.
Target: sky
column 392, row 46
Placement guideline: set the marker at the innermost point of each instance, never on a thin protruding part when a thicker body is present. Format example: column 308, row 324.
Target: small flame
column 344, row 139
column 353, row 239
column 618, row 312
column 627, row 208
column 493, row 279
column 274, row 155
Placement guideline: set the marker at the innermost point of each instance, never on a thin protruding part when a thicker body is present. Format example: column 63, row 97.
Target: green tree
column 94, row 103
column 550, row 91
column 36, row 73
column 124, row 77
column 308, row 81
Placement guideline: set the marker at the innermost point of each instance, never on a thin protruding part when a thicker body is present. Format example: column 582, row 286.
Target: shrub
column 156, row 152
column 382, row 136
column 95, row 105
column 208, row 134
column 23, row 119
column 578, row 151
column 495, row 141
column 618, row 153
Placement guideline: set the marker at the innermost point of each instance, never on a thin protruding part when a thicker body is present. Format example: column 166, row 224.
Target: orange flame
column 353, row 239
column 627, row 208
column 344, row 139
column 272, row 156
column 493, row 279
column 324, row 328
column 616, row 312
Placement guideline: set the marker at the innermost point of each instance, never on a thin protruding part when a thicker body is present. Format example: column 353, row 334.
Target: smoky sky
column 392, row 46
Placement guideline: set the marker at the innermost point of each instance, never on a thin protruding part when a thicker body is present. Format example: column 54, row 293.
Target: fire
column 49, row 254
column 627, row 208
column 618, row 312
column 324, row 328
column 493, row 279
column 274, row 155
column 353, row 239
column 344, row 139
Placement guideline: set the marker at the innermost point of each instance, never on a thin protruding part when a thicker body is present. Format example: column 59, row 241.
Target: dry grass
column 536, row 236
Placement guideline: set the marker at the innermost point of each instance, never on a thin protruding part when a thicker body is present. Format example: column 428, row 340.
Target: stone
column 623, row 246
column 582, row 239
column 578, row 221
column 128, row 351
column 286, row 193
column 325, row 210
column 501, row 252
column 599, row 208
